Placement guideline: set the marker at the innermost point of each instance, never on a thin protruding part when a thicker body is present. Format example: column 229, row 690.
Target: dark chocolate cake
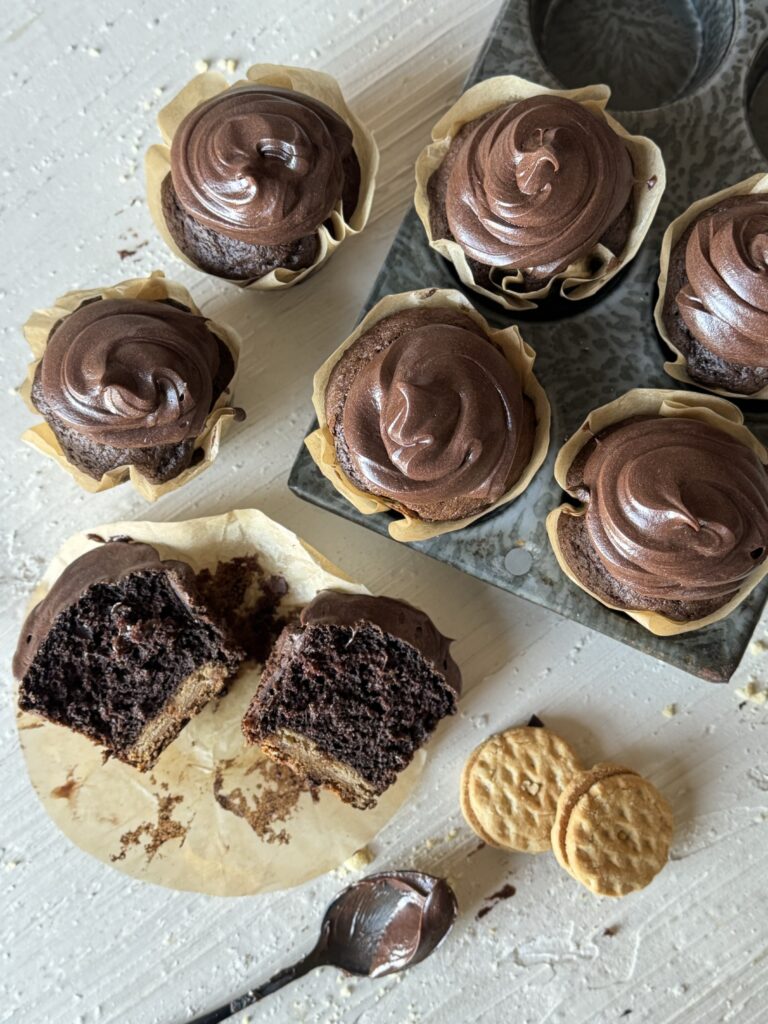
column 255, row 171
column 131, row 382
column 351, row 692
column 123, row 650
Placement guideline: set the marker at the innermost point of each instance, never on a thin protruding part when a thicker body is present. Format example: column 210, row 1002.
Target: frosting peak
column 260, row 164
column 131, row 373
column 436, row 415
column 536, row 184
column 725, row 301
column 676, row 509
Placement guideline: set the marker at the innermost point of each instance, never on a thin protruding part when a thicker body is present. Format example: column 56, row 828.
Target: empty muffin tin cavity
column 649, row 53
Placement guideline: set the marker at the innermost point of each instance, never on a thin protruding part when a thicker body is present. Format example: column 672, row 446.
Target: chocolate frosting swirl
column 131, row 373
column 260, row 164
column 437, row 414
column 398, row 618
column 536, row 184
column 676, row 509
column 107, row 563
column 724, row 303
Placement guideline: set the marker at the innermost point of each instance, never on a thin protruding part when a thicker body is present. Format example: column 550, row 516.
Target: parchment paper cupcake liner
column 211, row 816
column 575, row 282
column 312, row 83
column 678, row 369
column 320, row 442
column 717, row 413
column 154, row 288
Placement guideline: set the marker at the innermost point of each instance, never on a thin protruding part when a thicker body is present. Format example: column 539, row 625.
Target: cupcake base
column 704, row 365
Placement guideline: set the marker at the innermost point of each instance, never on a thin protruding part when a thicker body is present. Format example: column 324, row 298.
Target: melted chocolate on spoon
column 381, row 924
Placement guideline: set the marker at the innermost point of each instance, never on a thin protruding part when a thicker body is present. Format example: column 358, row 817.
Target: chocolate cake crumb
column 274, row 801
column 245, row 597
column 155, row 833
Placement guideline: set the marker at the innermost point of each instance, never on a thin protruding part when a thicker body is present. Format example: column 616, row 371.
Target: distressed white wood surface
column 81, row 83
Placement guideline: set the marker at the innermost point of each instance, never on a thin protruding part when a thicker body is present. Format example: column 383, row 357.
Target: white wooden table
column 81, row 83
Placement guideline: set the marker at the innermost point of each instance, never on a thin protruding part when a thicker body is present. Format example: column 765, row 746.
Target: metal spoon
column 379, row 925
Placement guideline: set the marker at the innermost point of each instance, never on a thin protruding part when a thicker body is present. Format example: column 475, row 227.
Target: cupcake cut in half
column 352, row 691
column 261, row 180
column 713, row 291
column 123, row 650
column 132, row 381
column 524, row 186
column 673, row 522
column 426, row 411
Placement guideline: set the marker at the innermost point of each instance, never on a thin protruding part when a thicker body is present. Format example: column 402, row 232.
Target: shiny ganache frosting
column 397, row 618
column 387, row 922
column 131, row 373
column 536, row 184
column 260, row 164
column 676, row 509
column 724, row 303
column 436, row 415
column 107, row 563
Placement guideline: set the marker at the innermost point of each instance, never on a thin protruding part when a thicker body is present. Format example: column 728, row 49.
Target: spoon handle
column 253, row 995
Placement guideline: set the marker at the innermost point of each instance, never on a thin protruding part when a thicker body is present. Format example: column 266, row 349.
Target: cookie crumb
column 751, row 692
column 758, row 647
column 669, row 711
column 359, row 860
column 201, row 66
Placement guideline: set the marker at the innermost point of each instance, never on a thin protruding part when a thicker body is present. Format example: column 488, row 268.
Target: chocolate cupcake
column 260, row 182
column 132, row 381
column 523, row 187
column 425, row 411
column 352, row 691
column 712, row 309
column 672, row 525
column 123, row 650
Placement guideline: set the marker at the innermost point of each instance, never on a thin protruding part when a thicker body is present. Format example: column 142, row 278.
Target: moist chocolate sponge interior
column 362, row 696
column 114, row 658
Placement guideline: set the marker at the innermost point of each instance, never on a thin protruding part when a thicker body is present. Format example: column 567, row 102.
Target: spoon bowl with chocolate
column 380, row 925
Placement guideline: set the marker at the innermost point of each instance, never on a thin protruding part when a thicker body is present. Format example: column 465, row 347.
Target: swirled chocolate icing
column 724, row 302
column 260, row 164
column 437, row 415
column 676, row 509
column 536, row 185
column 126, row 372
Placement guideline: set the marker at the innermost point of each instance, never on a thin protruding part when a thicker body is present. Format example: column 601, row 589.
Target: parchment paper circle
column 213, row 816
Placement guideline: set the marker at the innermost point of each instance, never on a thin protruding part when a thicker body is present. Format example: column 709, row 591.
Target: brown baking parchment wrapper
column 200, row 820
column 678, row 369
column 320, row 442
column 312, row 83
column 37, row 330
column 575, row 282
column 718, row 413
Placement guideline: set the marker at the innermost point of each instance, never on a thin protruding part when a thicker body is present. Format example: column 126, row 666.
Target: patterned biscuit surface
column 618, row 834
column 510, row 786
column 572, row 792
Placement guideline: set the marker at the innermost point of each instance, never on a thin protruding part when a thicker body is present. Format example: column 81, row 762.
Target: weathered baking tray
column 702, row 68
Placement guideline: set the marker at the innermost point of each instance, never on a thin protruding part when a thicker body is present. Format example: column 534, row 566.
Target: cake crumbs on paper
column 669, row 711
column 201, row 66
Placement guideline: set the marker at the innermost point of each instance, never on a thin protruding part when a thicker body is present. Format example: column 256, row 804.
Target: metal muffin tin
column 704, row 64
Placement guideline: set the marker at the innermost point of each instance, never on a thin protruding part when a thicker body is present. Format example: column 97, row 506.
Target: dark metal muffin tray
column 702, row 68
